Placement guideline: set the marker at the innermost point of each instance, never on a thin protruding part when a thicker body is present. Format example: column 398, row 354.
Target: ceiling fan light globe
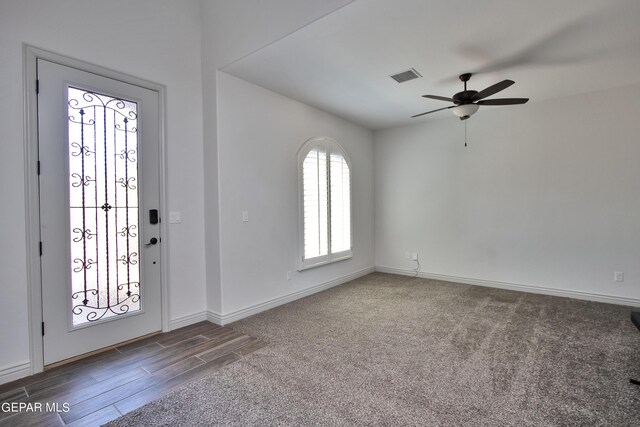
column 465, row 111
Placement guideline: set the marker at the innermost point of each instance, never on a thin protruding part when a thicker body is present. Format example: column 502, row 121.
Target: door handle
column 152, row 242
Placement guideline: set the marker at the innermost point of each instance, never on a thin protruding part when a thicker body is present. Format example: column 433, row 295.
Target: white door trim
column 32, row 201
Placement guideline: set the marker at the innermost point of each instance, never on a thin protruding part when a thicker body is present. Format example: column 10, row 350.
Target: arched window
column 324, row 183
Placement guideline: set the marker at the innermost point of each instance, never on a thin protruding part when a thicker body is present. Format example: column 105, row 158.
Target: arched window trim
column 331, row 146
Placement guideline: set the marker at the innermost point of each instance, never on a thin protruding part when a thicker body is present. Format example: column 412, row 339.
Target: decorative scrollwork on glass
column 90, row 308
column 129, row 286
column 128, row 183
column 130, row 259
column 88, row 122
column 82, row 150
column 127, row 155
column 103, row 197
column 105, row 102
column 128, row 231
column 81, row 180
column 82, row 234
column 125, row 128
column 84, row 264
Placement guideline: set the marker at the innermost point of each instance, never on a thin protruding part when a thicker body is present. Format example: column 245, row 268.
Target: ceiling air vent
column 405, row 76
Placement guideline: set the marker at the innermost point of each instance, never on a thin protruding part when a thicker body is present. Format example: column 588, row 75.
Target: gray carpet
column 393, row 350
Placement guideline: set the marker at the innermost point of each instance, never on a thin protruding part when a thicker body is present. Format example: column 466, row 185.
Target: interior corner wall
column 231, row 30
column 260, row 133
column 157, row 40
column 545, row 195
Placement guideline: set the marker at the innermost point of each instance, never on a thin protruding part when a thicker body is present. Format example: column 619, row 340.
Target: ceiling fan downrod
column 465, row 78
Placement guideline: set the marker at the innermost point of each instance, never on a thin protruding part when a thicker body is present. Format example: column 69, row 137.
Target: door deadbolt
column 153, row 216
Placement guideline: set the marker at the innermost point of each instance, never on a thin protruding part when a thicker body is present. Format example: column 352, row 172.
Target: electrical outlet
column 245, row 216
column 288, row 275
column 414, row 256
column 618, row 276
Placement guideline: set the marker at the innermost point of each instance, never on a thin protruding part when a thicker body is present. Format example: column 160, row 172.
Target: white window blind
column 315, row 204
column 340, row 204
column 325, row 203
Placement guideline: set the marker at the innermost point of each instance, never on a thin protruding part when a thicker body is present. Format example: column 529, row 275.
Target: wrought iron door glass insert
column 103, row 206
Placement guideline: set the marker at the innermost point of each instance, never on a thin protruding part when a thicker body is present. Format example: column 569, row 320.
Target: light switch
column 245, row 216
column 175, row 218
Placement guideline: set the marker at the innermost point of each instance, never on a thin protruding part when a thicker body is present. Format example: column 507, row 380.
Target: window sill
column 339, row 258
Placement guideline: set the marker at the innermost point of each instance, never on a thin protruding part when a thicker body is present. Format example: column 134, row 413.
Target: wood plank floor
column 102, row 387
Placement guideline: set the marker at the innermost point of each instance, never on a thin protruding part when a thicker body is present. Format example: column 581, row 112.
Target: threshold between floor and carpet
column 396, row 350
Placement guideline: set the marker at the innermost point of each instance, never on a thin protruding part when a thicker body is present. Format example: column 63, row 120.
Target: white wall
column 158, row 40
column 259, row 135
column 547, row 194
column 231, row 30
column 178, row 44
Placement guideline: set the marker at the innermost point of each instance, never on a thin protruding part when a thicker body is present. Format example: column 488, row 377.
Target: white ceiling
column 552, row 48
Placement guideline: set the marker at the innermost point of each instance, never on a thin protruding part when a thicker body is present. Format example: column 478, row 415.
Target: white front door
column 99, row 199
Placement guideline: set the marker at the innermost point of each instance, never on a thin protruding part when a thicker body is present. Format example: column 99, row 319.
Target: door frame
column 32, row 195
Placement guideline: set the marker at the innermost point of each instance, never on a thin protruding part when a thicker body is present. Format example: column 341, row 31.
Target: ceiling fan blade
column 492, row 89
column 432, row 111
column 503, row 101
column 439, row 98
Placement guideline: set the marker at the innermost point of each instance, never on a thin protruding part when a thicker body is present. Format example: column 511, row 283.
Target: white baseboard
column 214, row 317
column 14, row 372
column 187, row 320
column 588, row 296
column 226, row 318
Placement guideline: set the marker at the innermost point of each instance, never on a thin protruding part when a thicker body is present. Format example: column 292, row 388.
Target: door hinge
column 37, row 86
column 40, row 248
column 42, row 328
column 38, row 167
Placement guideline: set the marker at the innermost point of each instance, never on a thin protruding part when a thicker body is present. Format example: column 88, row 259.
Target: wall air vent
column 405, row 76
